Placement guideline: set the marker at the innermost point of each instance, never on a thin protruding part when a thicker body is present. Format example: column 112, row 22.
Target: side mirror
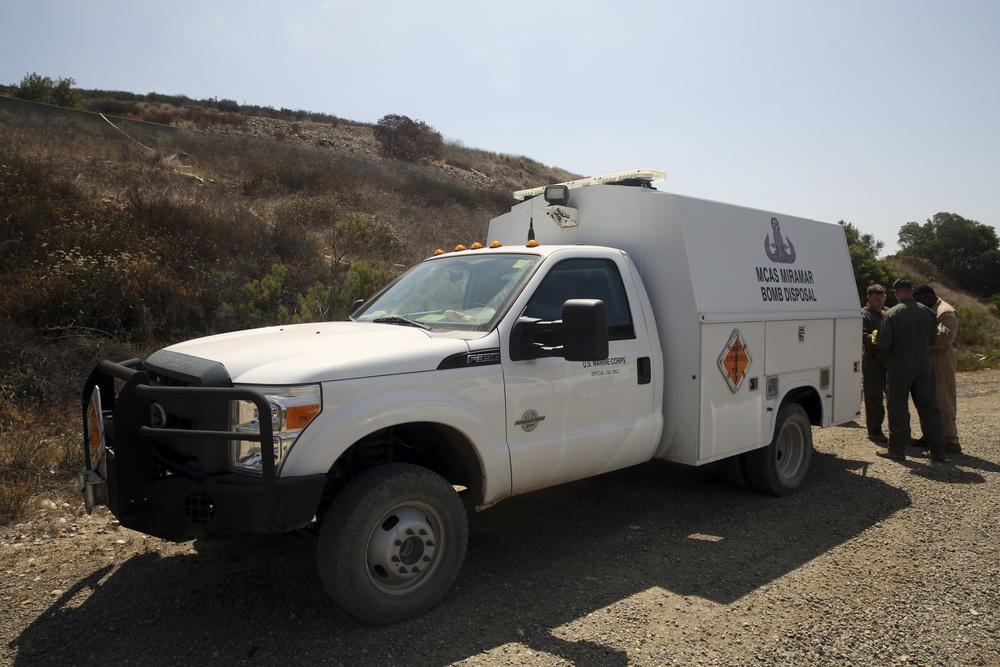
column 581, row 335
column 585, row 330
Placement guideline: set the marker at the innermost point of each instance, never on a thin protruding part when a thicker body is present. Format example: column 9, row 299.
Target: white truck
column 606, row 324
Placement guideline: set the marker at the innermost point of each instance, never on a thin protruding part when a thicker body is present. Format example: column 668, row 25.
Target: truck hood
column 322, row 351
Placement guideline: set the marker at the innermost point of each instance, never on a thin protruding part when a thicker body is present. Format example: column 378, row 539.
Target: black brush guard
column 147, row 497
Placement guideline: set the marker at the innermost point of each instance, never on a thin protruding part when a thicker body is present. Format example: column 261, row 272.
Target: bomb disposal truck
column 606, row 324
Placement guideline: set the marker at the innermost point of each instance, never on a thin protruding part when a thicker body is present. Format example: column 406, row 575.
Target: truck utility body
column 607, row 324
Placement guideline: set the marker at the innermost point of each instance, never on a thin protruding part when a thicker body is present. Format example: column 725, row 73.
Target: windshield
column 457, row 292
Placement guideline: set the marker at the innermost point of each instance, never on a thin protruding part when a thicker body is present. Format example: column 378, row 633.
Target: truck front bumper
column 180, row 509
column 126, row 466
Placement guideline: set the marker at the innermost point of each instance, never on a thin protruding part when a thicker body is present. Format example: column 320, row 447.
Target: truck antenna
column 531, row 228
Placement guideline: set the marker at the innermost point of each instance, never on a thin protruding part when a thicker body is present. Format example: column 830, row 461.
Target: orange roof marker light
column 531, row 244
column 460, row 248
column 476, row 246
column 438, row 252
column 496, row 244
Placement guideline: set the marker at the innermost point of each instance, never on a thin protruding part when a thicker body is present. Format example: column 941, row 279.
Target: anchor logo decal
column 779, row 250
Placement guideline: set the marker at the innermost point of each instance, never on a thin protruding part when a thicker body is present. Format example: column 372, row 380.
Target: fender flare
column 322, row 443
column 796, row 390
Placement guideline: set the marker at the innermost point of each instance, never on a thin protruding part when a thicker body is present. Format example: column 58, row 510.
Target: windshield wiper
column 395, row 319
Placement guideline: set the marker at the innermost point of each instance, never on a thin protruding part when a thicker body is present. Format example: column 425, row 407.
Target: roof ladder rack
column 636, row 177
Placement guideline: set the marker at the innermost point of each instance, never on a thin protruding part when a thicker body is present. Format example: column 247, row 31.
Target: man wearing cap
column 908, row 330
column 945, row 363
column 873, row 362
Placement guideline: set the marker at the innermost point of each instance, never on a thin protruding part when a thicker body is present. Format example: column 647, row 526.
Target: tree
column 402, row 138
column 912, row 235
column 64, row 95
column 37, row 88
column 33, row 88
column 868, row 268
column 966, row 251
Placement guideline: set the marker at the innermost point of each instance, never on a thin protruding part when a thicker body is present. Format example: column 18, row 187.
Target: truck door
column 568, row 420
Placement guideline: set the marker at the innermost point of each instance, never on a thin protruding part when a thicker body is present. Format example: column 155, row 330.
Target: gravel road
column 873, row 563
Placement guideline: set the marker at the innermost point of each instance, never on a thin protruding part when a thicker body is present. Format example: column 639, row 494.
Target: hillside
column 271, row 158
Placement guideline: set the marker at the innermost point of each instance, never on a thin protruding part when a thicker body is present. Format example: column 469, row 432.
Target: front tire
column 392, row 543
column 781, row 468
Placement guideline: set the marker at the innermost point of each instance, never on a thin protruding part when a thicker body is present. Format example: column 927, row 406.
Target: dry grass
column 37, row 451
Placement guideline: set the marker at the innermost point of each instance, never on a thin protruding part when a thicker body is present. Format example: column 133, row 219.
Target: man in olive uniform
column 945, row 362
column 908, row 330
column 873, row 364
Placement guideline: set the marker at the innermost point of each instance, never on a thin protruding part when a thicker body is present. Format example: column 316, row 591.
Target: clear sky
column 876, row 112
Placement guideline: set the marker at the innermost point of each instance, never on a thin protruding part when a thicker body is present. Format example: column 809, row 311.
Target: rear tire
column 392, row 543
column 780, row 468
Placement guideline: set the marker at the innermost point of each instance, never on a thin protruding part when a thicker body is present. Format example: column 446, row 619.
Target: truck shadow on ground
column 534, row 563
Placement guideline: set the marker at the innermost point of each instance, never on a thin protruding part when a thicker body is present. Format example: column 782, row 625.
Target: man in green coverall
column 908, row 330
column 873, row 364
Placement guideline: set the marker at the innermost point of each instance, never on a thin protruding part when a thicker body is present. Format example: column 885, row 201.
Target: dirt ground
column 872, row 563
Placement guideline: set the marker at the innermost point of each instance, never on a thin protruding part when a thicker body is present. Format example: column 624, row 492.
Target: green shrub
column 975, row 328
column 977, row 344
column 402, row 138
column 266, row 294
column 969, row 360
column 994, row 304
column 335, row 301
column 36, row 88
column 228, row 106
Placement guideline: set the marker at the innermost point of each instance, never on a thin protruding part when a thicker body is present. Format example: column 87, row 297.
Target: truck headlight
column 292, row 408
